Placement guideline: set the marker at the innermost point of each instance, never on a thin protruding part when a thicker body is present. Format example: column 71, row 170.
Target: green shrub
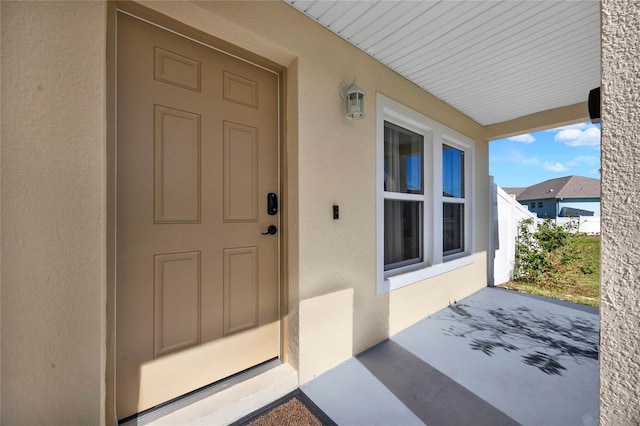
column 536, row 246
column 570, row 272
column 550, row 236
column 530, row 259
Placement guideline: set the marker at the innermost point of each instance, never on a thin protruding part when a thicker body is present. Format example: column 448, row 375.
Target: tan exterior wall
column 620, row 297
column 336, row 163
column 410, row 304
column 1, row 78
column 326, row 332
column 54, row 197
column 54, row 201
column 53, row 212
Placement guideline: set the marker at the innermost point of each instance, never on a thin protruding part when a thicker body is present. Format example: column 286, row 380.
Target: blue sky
column 532, row 158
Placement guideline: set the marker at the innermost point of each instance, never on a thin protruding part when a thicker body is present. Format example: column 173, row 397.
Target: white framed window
column 453, row 200
column 403, row 198
column 425, row 219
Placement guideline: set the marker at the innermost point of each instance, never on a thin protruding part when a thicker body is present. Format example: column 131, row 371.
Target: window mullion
column 388, row 195
column 469, row 200
column 436, row 242
column 453, row 200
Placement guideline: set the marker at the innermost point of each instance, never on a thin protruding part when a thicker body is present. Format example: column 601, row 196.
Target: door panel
column 240, row 90
column 240, row 289
column 176, row 166
column 177, row 302
column 240, row 173
column 176, row 69
column 197, row 282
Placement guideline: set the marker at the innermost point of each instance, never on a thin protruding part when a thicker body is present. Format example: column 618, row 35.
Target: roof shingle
column 516, row 190
column 564, row 187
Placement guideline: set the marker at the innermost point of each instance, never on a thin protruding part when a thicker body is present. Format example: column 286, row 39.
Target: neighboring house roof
column 564, row 187
column 514, row 190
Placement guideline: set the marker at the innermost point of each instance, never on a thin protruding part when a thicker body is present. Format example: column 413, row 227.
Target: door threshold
column 223, row 400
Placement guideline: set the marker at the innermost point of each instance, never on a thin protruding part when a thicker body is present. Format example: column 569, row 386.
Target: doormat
column 293, row 409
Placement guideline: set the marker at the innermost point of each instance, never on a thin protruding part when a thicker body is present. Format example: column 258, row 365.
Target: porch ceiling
column 493, row 60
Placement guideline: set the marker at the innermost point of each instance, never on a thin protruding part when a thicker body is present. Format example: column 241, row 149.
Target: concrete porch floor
column 494, row 358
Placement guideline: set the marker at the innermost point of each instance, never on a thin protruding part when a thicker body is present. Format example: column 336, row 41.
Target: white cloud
column 526, row 138
column 584, row 160
column 579, row 126
column 516, row 156
column 555, row 167
column 577, row 137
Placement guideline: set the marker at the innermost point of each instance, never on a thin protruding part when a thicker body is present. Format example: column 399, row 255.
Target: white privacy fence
column 506, row 214
column 586, row 224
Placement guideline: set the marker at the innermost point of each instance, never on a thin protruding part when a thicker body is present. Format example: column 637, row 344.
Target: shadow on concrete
column 544, row 341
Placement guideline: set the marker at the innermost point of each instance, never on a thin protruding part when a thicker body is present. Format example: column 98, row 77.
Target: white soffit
column 492, row 60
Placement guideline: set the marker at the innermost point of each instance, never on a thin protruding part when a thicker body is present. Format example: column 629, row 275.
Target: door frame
column 215, row 43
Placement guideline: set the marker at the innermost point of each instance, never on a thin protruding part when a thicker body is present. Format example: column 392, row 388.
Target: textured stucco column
column 53, row 212
column 620, row 304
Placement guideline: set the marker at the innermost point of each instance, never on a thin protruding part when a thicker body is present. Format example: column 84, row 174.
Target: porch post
column 620, row 292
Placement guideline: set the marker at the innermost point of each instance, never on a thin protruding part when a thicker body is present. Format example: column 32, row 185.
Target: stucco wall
column 53, row 203
column 336, row 161
column 53, row 199
column 620, row 300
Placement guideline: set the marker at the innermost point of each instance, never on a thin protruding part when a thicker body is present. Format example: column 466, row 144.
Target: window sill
column 402, row 280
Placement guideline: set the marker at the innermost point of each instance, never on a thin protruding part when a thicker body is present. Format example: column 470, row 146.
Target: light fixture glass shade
column 354, row 101
column 355, row 105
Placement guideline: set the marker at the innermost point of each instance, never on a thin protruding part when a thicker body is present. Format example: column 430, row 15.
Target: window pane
column 453, row 228
column 402, row 233
column 452, row 172
column 403, row 160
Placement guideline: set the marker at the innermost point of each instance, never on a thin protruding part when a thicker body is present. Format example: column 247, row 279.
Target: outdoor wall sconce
column 354, row 100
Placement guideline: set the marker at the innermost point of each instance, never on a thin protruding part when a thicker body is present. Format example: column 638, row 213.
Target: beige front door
column 197, row 281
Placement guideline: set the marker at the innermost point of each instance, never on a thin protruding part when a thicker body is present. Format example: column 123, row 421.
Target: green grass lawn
column 574, row 275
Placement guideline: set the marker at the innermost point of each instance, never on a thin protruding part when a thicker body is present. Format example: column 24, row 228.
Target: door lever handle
column 271, row 230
